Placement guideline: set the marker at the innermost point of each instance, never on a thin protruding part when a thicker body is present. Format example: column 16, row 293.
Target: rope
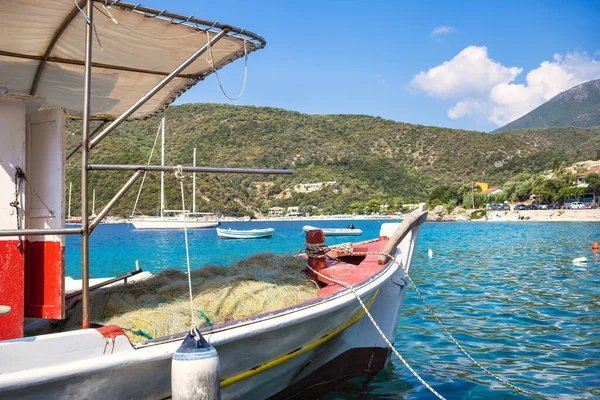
column 312, row 250
column 180, row 176
column 348, row 286
column 146, row 172
column 87, row 19
column 203, row 315
column 19, row 176
column 211, row 62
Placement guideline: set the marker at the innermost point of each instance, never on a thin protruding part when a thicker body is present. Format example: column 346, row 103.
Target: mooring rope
column 180, row 176
column 362, row 304
column 312, row 250
column 211, row 62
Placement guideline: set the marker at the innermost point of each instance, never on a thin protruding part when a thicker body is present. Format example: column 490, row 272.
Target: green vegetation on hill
column 372, row 160
column 578, row 106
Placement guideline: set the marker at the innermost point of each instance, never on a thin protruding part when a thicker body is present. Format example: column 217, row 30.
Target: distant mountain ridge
column 578, row 106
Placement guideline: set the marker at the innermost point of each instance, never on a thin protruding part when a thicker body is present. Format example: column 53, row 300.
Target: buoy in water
column 195, row 370
column 595, row 246
column 430, row 253
column 579, row 261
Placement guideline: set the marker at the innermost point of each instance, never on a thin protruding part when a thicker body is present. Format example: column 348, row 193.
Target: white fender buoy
column 195, row 370
column 579, row 261
column 430, row 253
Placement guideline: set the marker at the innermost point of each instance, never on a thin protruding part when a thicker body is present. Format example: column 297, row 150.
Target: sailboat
column 173, row 219
column 71, row 221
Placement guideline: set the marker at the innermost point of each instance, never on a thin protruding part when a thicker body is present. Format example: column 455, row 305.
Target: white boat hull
column 245, row 234
column 299, row 352
column 335, row 231
column 166, row 223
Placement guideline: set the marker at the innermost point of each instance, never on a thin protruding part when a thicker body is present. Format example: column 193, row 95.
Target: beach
column 543, row 216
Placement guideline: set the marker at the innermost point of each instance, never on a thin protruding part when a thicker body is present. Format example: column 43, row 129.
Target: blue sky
column 360, row 57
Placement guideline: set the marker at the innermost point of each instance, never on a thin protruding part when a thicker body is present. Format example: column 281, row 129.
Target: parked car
column 577, row 205
column 497, row 207
column 590, row 205
column 520, row 207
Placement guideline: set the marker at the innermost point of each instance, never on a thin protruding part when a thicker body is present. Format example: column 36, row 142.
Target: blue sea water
column 508, row 291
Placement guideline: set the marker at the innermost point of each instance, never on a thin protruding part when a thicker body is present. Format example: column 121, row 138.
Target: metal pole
column 85, row 267
column 156, row 88
column 173, row 168
column 70, row 188
column 194, row 186
column 40, row 232
column 114, row 200
column 94, row 202
column 162, row 163
column 106, row 283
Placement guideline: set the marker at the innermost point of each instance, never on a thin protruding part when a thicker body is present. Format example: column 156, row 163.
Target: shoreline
column 492, row 216
column 543, row 216
column 326, row 218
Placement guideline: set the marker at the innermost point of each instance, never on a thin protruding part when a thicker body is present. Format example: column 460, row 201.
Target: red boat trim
column 111, row 331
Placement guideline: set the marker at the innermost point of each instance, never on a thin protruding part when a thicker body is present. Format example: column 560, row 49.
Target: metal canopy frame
column 180, row 19
column 87, row 144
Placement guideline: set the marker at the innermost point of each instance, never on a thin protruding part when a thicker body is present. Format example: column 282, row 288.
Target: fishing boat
column 46, row 73
column 335, row 231
column 172, row 219
column 245, row 233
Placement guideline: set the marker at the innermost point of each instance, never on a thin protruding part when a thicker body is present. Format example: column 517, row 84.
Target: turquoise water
column 508, row 291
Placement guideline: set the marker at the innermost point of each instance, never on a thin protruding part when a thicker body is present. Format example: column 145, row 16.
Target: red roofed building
column 581, row 176
column 492, row 190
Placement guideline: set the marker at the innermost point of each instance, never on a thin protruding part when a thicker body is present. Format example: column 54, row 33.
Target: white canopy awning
column 42, row 52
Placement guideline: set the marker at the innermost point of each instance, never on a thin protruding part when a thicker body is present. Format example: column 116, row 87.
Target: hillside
column 369, row 158
column 578, row 106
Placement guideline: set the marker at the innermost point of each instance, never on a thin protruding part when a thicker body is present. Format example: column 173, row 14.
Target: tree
column 373, row 205
column 356, row 207
column 556, row 164
column 593, row 182
column 275, row 189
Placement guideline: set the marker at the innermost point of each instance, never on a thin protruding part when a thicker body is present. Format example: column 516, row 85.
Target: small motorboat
column 244, row 233
column 335, row 231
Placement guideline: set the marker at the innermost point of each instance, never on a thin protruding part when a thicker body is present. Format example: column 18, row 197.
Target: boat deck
column 354, row 269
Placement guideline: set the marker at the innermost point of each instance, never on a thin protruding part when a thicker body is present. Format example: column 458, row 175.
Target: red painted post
column 316, row 237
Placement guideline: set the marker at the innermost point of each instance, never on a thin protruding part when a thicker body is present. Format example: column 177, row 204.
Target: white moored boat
column 245, row 234
column 192, row 221
column 335, row 231
column 299, row 351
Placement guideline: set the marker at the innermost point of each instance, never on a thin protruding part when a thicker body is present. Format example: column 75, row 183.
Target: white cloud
column 442, row 29
column 469, row 73
column 484, row 90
